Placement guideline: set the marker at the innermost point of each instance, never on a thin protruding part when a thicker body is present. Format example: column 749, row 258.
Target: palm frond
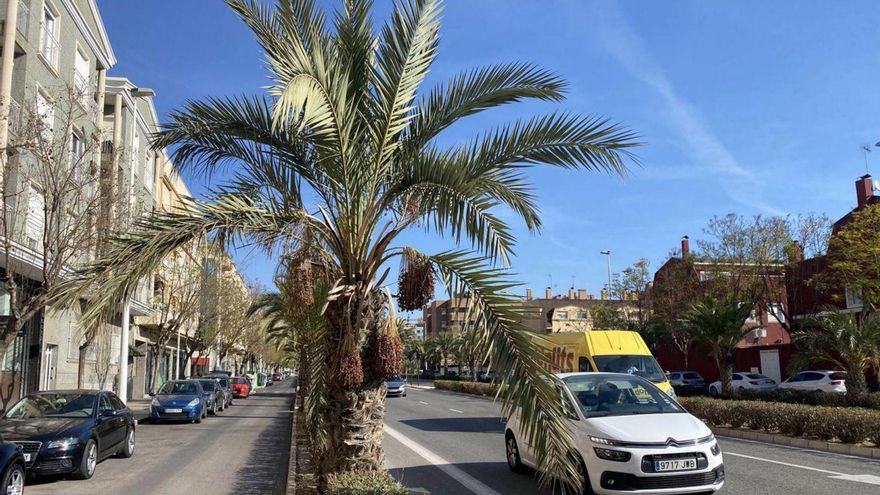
column 526, row 385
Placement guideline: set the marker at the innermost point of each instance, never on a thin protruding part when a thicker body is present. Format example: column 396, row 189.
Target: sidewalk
column 140, row 408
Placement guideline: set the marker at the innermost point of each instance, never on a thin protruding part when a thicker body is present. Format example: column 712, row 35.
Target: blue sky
column 750, row 107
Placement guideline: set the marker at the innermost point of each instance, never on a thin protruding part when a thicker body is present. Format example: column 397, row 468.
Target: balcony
column 24, row 17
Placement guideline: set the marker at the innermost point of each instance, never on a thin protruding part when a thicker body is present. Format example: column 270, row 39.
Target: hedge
column 380, row 483
column 472, row 388
column 866, row 400
column 846, row 424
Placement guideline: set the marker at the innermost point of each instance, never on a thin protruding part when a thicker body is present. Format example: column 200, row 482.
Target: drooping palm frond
column 518, row 362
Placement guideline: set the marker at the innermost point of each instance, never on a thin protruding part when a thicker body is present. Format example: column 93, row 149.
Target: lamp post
column 607, row 254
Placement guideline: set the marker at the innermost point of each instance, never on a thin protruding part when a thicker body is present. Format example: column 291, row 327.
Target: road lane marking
column 423, row 403
column 858, row 478
column 456, row 410
column 474, row 485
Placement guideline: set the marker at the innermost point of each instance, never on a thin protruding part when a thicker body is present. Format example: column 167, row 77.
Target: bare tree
column 177, row 289
column 104, row 353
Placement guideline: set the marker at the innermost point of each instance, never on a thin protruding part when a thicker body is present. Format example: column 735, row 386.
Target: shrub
column 847, row 424
column 867, row 400
column 380, row 483
column 472, row 388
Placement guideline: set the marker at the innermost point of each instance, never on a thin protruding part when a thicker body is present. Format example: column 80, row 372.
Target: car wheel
column 89, row 461
column 740, row 388
column 128, row 447
column 587, row 488
column 513, row 460
column 713, row 391
column 13, row 480
column 404, row 394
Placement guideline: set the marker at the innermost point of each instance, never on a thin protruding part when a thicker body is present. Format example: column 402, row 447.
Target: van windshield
column 643, row 366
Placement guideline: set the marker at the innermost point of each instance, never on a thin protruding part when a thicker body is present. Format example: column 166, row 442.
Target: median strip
column 474, row 485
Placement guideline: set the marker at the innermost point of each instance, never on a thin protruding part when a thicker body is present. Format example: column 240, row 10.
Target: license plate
column 675, row 465
column 174, row 410
column 27, row 458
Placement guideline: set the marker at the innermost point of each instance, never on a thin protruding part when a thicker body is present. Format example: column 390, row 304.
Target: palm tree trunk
column 725, row 367
column 855, row 381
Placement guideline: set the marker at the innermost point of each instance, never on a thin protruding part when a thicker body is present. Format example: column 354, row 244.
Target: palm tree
column 337, row 162
column 718, row 323
column 849, row 341
column 444, row 346
column 470, row 349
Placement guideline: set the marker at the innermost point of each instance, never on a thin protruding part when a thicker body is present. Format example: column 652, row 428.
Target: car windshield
column 224, row 383
column 394, row 379
column 179, row 388
column 693, row 376
column 71, row 405
column 208, row 385
column 643, row 366
column 839, row 375
column 618, row 396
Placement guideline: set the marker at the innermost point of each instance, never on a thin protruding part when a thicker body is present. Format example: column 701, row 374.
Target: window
column 5, row 309
column 737, row 377
column 776, row 310
column 36, row 220
column 810, row 376
column 149, row 172
column 584, row 364
column 562, row 315
column 49, row 36
column 753, row 317
column 853, row 298
column 582, row 315
column 115, row 401
column 81, row 77
column 76, row 154
column 46, row 116
column 104, row 405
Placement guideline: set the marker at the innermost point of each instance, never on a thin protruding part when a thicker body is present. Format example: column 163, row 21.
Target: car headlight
column 612, row 455
column 63, row 444
column 602, row 441
column 193, row 403
column 716, row 449
column 155, row 402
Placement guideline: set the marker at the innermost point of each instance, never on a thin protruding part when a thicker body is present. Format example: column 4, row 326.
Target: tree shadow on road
column 468, row 425
column 265, row 472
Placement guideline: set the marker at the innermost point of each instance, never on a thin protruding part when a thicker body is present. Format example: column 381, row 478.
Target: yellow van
column 613, row 351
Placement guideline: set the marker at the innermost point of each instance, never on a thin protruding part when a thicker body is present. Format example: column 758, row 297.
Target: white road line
column 456, row 410
column 423, row 402
column 808, row 468
column 474, row 485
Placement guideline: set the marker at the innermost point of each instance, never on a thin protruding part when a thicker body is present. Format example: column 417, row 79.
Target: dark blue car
column 179, row 400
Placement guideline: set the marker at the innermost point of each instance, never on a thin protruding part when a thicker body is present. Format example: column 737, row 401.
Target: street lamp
column 607, row 253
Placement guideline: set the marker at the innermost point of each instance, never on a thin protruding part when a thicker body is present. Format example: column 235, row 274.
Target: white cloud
column 705, row 148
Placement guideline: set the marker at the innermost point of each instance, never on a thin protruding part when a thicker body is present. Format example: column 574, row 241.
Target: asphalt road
column 243, row 451
column 453, row 444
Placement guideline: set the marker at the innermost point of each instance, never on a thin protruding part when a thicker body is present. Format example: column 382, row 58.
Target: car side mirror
column 152, row 394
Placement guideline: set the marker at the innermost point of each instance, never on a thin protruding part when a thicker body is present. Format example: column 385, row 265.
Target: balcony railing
column 24, row 17
column 49, row 46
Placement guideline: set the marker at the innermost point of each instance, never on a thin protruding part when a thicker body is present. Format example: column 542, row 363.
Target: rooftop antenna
column 550, row 280
column 572, row 281
column 867, row 150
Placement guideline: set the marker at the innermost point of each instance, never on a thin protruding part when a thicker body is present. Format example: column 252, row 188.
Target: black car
column 226, row 385
column 13, row 470
column 69, row 431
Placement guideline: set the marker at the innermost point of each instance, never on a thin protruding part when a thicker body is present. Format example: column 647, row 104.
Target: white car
column 630, row 436
column 818, row 381
column 746, row 381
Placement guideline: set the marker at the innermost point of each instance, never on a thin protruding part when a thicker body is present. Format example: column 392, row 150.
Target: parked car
column 215, row 399
column 226, row 386
column 241, row 387
column 276, row 377
column 69, row 431
column 818, row 381
column 629, row 436
column 746, row 381
column 396, row 386
column 267, row 378
column 12, row 475
column 179, row 400
column 687, row 382
column 486, row 376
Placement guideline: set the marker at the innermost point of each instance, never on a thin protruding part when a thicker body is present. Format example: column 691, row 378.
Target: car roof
column 600, row 374
column 82, row 391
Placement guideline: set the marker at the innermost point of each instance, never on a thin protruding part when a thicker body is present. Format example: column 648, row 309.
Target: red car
column 241, row 387
column 276, row 377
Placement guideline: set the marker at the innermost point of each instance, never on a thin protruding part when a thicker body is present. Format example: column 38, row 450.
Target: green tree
column 854, row 256
column 443, row 345
column 851, row 342
column 341, row 159
column 470, row 349
column 631, row 284
column 718, row 325
column 605, row 316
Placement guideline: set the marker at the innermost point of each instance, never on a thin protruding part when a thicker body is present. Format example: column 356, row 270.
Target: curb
column 291, row 460
column 803, row 443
